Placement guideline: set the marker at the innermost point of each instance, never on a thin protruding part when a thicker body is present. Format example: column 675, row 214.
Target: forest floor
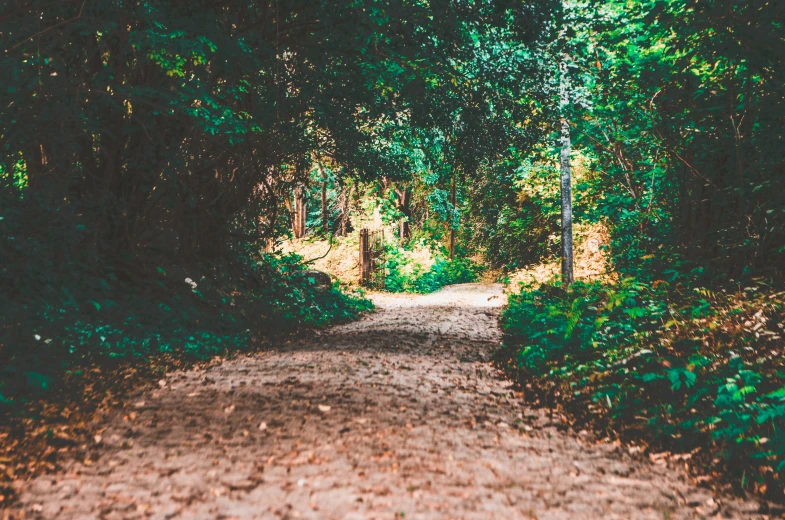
column 398, row 415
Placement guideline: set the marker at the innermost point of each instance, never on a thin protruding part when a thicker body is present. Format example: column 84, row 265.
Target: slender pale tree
column 566, row 175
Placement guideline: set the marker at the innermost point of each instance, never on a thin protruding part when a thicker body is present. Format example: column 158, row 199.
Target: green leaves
column 777, row 394
column 682, row 388
column 37, row 383
column 635, row 312
column 404, row 274
column 681, row 376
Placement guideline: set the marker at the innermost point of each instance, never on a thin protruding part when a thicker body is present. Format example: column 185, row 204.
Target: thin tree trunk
column 453, row 200
column 342, row 202
column 404, row 198
column 566, row 180
column 290, row 210
column 365, row 264
column 303, row 213
column 35, row 161
column 345, row 202
column 300, row 213
column 325, row 216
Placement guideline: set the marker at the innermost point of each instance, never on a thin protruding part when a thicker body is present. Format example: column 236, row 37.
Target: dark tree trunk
column 300, row 212
column 344, row 225
column 325, row 214
column 404, row 206
column 35, row 160
column 365, row 261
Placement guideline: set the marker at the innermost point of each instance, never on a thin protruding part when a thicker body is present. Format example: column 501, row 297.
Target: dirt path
column 399, row 415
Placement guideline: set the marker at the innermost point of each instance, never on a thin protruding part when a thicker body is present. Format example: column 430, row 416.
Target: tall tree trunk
column 566, row 180
column 303, row 213
column 288, row 202
column 300, row 212
column 344, row 226
column 453, row 200
column 325, row 215
column 365, row 260
column 35, row 161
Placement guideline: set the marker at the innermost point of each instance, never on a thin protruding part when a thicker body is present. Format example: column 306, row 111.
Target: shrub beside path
column 398, row 415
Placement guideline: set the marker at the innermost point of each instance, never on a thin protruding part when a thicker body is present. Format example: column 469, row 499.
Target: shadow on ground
column 399, row 415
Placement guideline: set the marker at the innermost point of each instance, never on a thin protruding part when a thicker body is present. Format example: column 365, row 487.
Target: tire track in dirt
column 398, row 415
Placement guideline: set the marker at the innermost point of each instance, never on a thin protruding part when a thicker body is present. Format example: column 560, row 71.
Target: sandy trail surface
column 398, row 415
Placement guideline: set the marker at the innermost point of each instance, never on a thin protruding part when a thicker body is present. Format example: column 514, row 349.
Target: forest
column 172, row 172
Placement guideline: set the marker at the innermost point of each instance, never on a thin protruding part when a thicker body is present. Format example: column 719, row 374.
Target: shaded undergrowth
column 668, row 363
column 80, row 322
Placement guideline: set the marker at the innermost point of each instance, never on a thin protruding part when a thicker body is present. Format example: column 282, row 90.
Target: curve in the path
column 398, row 415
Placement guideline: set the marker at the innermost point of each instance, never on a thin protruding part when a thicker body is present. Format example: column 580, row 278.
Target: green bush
column 676, row 366
column 66, row 304
column 405, row 275
column 513, row 212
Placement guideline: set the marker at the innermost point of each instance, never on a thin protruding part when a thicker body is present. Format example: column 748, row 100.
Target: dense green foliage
column 678, row 112
column 684, row 120
column 68, row 307
column 150, row 149
column 671, row 363
column 181, row 125
column 405, row 275
column 513, row 211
